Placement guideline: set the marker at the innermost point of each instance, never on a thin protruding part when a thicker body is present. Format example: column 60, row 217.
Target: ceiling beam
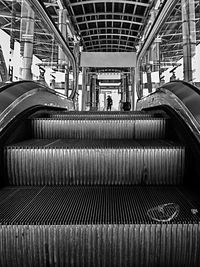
column 110, row 45
column 109, row 1
column 109, row 49
column 111, row 20
column 110, row 34
column 109, row 14
column 106, row 39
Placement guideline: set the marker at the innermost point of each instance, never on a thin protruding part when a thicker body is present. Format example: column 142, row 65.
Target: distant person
column 109, row 103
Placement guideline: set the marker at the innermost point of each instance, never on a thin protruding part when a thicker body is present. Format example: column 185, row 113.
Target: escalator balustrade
column 98, row 189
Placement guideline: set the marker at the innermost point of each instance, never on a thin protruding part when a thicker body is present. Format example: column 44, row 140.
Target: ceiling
column 109, row 26
column 102, row 26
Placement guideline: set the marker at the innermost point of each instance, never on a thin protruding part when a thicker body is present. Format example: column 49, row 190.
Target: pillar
column 93, row 92
column 63, row 61
column 91, row 89
column 127, row 96
column 84, row 88
column 123, row 97
column 149, row 81
column 27, row 34
column 62, row 25
column 3, row 68
column 139, row 75
column 189, row 37
column 97, row 95
column 12, row 41
column 132, row 73
column 67, row 80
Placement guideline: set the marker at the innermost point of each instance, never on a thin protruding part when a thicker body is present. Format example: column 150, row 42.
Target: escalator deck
column 98, row 189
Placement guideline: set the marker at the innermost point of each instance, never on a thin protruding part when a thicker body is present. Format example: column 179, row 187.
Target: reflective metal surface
column 75, row 127
column 141, row 245
column 93, row 162
column 18, row 97
column 92, row 202
column 181, row 97
column 75, row 205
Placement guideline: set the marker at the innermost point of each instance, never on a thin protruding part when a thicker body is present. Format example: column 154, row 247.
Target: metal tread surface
column 104, row 114
column 97, row 143
column 93, row 162
column 117, row 245
column 99, row 128
column 75, row 205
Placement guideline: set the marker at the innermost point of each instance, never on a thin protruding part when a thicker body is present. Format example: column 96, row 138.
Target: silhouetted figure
column 109, row 103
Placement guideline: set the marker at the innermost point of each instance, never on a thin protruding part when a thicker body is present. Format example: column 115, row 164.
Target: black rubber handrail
column 5, row 86
column 187, row 93
column 17, row 97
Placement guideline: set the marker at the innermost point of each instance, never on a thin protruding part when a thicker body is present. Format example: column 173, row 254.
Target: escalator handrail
column 180, row 96
column 17, row 97
column 188, row 94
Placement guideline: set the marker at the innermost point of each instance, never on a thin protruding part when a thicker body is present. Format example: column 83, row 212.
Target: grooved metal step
column 141, row 128
column 95, row 205
column 105, row 114
column 103, row 162
column 119, row 245
column 96, row 226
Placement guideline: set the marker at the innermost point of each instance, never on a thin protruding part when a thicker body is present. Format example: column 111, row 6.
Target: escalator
column 99, row 189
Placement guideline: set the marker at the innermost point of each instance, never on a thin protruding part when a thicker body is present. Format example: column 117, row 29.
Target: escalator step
column 149, row 128
column 140, row 245
column 93, row 205
column 96, row 226
column 98, row 162
column 105, row 114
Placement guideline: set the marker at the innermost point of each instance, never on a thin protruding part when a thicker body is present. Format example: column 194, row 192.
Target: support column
column 189, row 37
column 67, row 80
column 127, row 88
column 139, row 74
column 149, row 81
column 3, row 68
column 62, row 15
column 132, row 73
column 12, row 41
column 123, row 88
column 62, row 58
column 97, row 94
column 76, row 52
column 93, row 92
column 84, row 88
column 27, row 31
column 140, row 84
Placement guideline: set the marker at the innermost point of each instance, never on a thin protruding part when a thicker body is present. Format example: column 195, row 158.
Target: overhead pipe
column 39, row 8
